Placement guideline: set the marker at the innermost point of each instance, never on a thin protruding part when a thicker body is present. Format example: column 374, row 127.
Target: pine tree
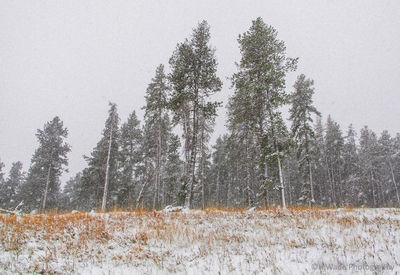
column 333, row 158
column 193, row 80
column 155, row 112
column 371, row 167
column 351, row 169
column 241, row 114
column 387, row 159
column 97, row 187
column 70, row 194
column 172, row 173
column 12, row 185
column 42, row 186
column 220, row 171
column 302, row 129
column 3, row 187
column 130, row 157
column 262, row 72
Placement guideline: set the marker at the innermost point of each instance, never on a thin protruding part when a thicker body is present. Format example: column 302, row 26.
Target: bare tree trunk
column 266, row 199
column 281, row 180
column 203, row 156
column 105, row 192
column 140, row 196
column 43, row 206
column 373, row 193
column 218, row 189
column 158, row 166
column 192, row 165
column 311, row 183
column 332, row 184
column 247, row 170
column 203, row 200
column 394, row 182
column 186, row 168
column 289, row 188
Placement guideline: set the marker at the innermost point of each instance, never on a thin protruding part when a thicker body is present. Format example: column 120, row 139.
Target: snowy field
column 293, row 241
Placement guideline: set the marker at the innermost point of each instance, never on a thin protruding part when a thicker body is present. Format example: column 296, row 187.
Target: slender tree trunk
column 203, row 201
column 312, row 201
column 192, row 165
column 105, row 192
column 332, row 184
column 376, row 190
column 275, row 141
column 229, row 191
column 289, row 188
column 373, row 191
column 218, row 188
column 247, row 170
column 394, row 182
column 158, row 165
column 46, row 189
column 140, row 196
column 146, row 179
column 281, row 180
column 311, row 182
column 186, row 168
column 266, row 199
column 202, row 161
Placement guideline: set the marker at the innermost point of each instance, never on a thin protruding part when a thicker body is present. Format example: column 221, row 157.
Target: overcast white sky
column 69, row 58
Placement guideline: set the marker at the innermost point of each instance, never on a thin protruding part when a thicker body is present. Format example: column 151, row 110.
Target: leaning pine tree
column 99, row 179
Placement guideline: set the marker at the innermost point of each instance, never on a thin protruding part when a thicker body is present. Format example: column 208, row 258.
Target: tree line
column 260, row 161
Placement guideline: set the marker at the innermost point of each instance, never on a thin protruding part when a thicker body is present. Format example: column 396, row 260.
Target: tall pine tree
column 100, row 178
column 130, row 156
column 193, row 80
column 262, row 71
column 155, row 112
column 301, row 114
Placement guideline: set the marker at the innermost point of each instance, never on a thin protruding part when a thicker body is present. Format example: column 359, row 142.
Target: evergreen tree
column 262, row 72
column 172, row 173
column 193, row 80
column 241, row 114
column 70, row 195
column 205, row 129
column 12, row 186
column 333, row 159
column 388, row 156
column 351, row 164
column 302, row 130
column 42, row 186
column 219, row 171
column 130, row 157
column 320, row 174
column 96, row 186
column 155, row 112
column 3, row 188
column 370, row 168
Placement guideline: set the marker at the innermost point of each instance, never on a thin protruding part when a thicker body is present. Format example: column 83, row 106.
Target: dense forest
column 262, row 160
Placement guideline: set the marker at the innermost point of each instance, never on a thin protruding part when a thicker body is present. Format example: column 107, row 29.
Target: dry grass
column 173, row 242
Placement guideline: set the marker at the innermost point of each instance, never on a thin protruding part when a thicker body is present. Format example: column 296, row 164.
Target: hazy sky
column 69, row 58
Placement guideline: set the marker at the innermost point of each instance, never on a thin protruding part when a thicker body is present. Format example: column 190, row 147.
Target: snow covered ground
column 293, row 241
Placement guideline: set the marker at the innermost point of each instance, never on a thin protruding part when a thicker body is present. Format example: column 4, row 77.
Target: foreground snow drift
column 198, row 242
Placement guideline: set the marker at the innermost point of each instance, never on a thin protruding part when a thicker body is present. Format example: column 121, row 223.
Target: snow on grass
column 293, row 241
